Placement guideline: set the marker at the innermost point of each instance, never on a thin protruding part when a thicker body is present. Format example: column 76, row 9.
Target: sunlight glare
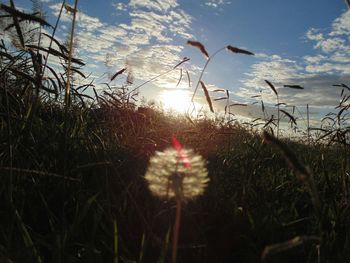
column 176, row 100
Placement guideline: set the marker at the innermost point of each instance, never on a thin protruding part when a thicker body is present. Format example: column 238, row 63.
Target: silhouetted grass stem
column 203, row 70
column 176, row 228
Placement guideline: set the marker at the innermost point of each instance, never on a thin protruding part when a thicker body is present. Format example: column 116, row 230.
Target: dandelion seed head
column 169, row 177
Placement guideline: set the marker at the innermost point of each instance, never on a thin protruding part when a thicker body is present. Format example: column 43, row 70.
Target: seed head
column 168, row 176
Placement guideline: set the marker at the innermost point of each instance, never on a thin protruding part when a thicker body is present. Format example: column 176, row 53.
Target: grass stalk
column 176, row 229
column 67, row 90
column 278, row 115
column 53, row 35
column 154, row 78
column 115, row 227
column 68, row 84
column 202, row 73
column 28, row 241
column 142, row 248
column 10, row 145
column 65, row 133
column 308, row 123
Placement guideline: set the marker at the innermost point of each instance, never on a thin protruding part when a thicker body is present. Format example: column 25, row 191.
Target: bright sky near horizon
column 296, row 42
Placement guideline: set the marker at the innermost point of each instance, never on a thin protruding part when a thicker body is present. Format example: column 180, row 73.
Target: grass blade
column 189, row 79
column 185, row 59
column 238, row 104
column 115, row 231
column 342, row 85
column 23, row 16
column 221, row 98
column 289, row 244
column 180, row 78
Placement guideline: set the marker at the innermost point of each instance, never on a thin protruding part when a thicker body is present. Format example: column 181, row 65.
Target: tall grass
column 98, row 207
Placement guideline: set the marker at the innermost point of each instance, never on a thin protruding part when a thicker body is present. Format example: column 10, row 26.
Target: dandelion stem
column 176, row 228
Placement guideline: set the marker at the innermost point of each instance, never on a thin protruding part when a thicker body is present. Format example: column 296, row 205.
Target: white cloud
column 340, row 56
column 330, row 44
column 144, row 43
column 341, row 25
column 158, row 5
column 272, row 68
column 314, row 59
column 120, row 6
column 316, row 73
column 317, row 79
column 88, row 22
column 216, row 3
column 84, row 21
column 154, row 60
column 112, row 33
column 313, row 34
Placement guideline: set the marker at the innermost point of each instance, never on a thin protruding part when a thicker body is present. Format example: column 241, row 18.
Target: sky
column 296, row 42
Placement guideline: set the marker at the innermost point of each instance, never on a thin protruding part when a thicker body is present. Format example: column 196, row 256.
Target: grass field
column 72, row 175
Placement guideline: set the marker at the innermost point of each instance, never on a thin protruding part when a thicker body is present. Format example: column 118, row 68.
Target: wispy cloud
column 120, row 6
column 330, row 64
column 146, row 42
column 341, row 25
column 217, row 3
column 157, row 5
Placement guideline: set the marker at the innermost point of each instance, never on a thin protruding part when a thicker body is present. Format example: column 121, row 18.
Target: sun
column 178, row 100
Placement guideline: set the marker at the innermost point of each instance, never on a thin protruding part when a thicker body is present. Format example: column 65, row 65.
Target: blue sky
column 295, row 42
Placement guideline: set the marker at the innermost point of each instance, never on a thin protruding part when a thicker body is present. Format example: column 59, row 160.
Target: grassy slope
column 253, row 199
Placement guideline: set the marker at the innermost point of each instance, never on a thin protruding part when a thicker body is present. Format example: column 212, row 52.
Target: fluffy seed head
column 169, row 177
